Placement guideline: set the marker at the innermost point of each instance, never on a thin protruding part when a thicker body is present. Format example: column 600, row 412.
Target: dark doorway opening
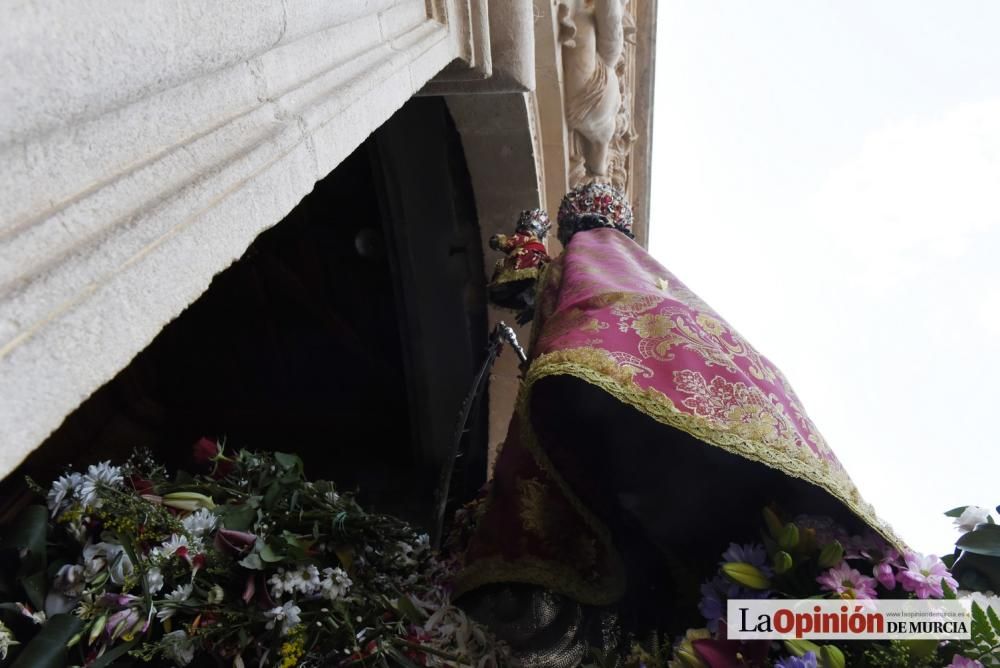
column 348, row 333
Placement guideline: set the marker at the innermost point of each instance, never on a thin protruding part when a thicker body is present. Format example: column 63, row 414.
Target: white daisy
column 335, row 583
column 200, row 522
column 111, row 555
column 178, row 647
column 286, row 615
column 170, row 546
column 178, row 596
column 98, row 476
column 62, row 489
column 154, row 580
column 70, row 580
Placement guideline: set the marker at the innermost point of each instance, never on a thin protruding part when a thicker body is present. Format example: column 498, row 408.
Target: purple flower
column 125, row 622
column 714, row 595
column 924, row 574
column 961, row 662
column 823, row 528
column 884, row 559
column 885, row 575
column 867, row 546
column 753, row 554
column 847, row 582
column 807, row 660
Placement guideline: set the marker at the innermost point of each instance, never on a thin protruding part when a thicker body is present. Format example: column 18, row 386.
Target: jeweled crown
column 535, row 221
column 594, row 205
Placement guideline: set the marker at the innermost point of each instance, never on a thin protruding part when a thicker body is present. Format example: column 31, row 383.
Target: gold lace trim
column 511, row 275
column 599, row 368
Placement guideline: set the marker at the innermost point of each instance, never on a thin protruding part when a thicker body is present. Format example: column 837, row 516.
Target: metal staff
column 501, row 334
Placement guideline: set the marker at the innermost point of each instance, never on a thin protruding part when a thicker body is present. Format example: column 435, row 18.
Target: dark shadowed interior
column 348, row 333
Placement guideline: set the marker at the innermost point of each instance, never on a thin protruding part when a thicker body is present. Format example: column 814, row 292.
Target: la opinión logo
column 815, row 619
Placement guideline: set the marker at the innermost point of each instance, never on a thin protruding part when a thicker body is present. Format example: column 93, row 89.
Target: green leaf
column 831, row 657
column 982, row 630
column 983, row 540
column 268, row 554
column 28, row 533
column 800, row 647
column 920, row 649
column 956, row 512
column 48, row 648
column 34, row 586
column 271, row 495
column 399, row 657
column 991, row 614
column 238, row 518
column 288, row 461
column 410, row 611
column 789, row 536
column 109, row 657
column 253, row 562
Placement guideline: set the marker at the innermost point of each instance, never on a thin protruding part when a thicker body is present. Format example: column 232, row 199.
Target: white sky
column 827, row 176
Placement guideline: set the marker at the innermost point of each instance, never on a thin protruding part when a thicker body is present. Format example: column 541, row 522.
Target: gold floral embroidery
column 633, row 362
column 594, row 326
column 602, row 370
column 504, row 275
column 710, row 324
column 567, row 322
column 531, row 500
column 630, row 305
column 738, row 407
column 701, row 333
column 652, row 325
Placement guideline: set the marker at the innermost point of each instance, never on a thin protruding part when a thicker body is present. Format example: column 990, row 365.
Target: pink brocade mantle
column 610, row 315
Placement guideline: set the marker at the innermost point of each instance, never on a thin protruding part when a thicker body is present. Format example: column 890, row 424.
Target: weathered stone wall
column 143, row 146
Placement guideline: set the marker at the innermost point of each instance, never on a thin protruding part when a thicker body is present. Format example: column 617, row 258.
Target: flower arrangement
column 245, row 564
column 813, row 557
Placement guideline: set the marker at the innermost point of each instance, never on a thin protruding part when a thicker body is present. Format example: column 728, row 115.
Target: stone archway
column 348, row 332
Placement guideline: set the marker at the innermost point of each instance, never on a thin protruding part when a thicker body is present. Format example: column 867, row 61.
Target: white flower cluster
column 200, row 522
column 288, row 615
column 154, row 580
column 70, row 580
column 335, row 583
column 972, row 517
column 409, row 554
column 7, row 640
column 178, row 596
column 332, row 583
column 98, row 556
column 84, row 488
column 448, row 627
column 178, row 647
column 176, row 543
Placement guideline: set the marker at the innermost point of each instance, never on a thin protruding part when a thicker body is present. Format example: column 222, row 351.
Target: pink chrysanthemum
column 924, row 574
column 847, row 582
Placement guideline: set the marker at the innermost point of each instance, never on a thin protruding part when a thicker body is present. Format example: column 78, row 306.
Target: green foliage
column 984, row 540
column 893, row 654
column 48, row 648
column 271, row 568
